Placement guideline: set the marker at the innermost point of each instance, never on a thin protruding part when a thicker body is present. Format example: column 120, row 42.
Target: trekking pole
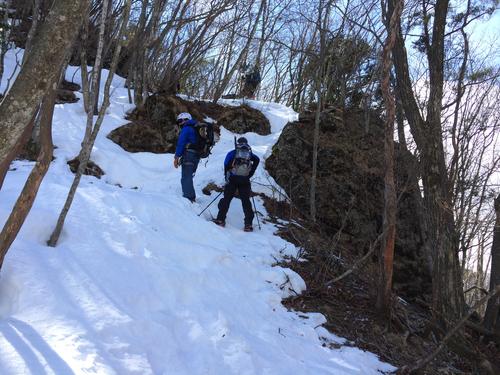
column 218, row 195
column 256, row 214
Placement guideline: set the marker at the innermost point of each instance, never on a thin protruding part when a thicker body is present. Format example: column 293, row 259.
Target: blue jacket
column 188, row 135
column 228, row 162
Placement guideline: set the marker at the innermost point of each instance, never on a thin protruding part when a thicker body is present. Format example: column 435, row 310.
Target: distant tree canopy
column 349, row 69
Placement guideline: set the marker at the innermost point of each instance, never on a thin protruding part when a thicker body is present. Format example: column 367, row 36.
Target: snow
column 12, row 66
column 140, row 284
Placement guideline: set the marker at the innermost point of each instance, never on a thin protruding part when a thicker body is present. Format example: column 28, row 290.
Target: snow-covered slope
column 139, row 284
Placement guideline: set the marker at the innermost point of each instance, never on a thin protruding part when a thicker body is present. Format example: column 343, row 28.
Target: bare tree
column 243, row 52
column 322, row 30
column 180, row 43
column 386, row 256
column 92, row 130
column 448, row 299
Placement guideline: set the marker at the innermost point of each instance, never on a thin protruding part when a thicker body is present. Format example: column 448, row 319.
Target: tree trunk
column 386, row 256
column 106, row 8
column 447, row 296
column 314, row 172
column 448, row 299
column 37, row 75
column 27, row 197
column 321, row 27
column 34, row 25
column 492, row 315
column 400, row 121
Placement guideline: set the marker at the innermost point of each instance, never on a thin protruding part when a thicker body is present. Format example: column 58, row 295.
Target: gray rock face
column 350, row 187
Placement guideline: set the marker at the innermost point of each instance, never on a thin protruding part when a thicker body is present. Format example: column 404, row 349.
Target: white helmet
column 184, row 116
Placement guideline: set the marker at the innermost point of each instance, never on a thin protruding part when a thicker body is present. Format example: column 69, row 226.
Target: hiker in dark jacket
column 239, row 166
column 186, row 154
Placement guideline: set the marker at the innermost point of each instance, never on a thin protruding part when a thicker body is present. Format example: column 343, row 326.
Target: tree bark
column 492, row 316
column 98, row 60
column 34, row 25
column 37, row 75
column 386, row 256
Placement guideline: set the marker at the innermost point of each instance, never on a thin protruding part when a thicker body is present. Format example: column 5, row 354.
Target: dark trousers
column 189, row 164
column 242, row 184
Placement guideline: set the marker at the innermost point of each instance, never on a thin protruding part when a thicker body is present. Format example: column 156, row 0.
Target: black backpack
column 242, row 163
column 205, row 138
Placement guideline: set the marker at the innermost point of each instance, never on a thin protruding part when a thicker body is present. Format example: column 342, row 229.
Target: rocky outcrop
column 140, row 136
column 350, row 186
column 244, row 119
column 65, row 96
column 92, row 169
column 65, row 92
column 153, row 127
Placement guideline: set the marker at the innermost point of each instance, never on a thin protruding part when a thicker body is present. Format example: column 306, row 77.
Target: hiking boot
column 220, row 223
column 248, row 228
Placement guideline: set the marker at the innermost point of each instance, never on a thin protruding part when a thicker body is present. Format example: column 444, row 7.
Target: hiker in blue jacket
column 186, row 154
column 239, row 166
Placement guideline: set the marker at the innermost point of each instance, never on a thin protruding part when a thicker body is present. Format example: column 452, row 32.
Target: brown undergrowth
column 349, row 304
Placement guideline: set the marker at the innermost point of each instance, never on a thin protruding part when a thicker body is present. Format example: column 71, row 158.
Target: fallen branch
column 357, row 263
column 425, row 361
column 474, row 287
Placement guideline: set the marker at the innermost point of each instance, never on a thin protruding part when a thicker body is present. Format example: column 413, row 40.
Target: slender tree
column 91, row 130
column 323, row 19
column 386, row 256
column 241, row 57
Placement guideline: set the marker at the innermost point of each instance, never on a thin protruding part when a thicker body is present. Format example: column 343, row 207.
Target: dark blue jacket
column 228, row 162
column 187, row 136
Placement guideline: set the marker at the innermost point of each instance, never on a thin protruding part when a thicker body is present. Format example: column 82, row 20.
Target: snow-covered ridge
column 139, row 284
